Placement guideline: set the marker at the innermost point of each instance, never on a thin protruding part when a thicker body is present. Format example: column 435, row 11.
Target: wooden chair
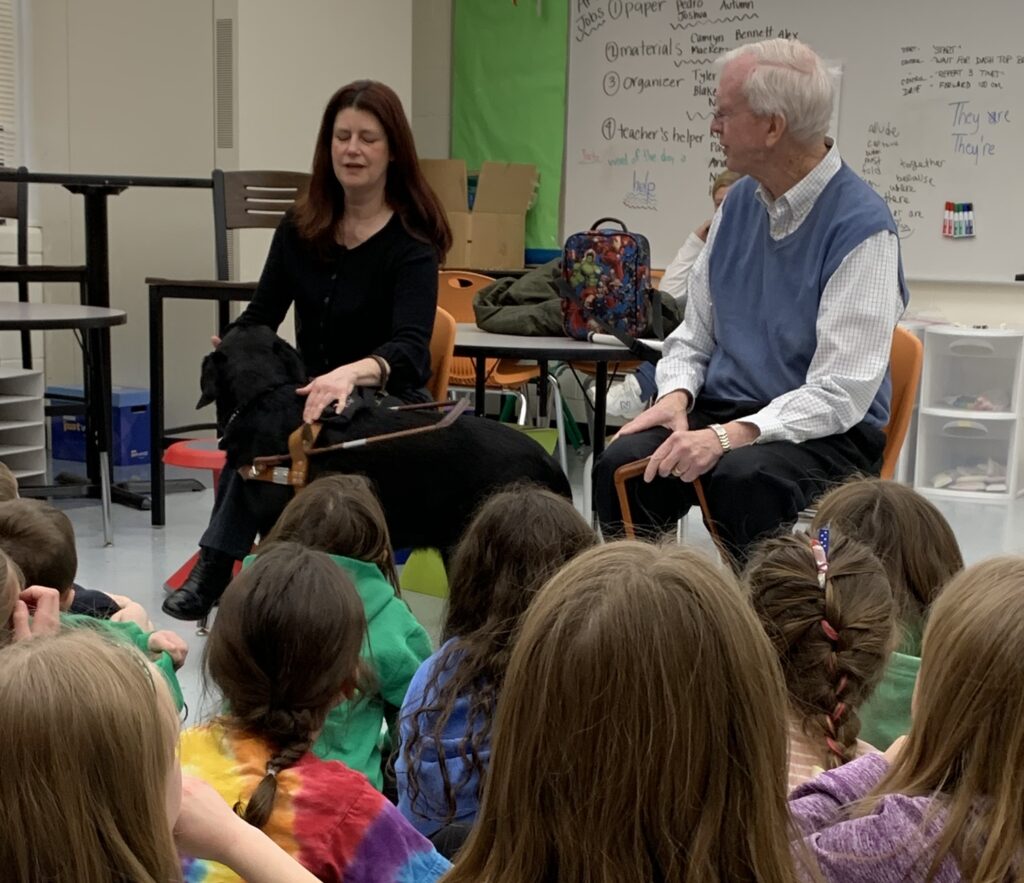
column 14, row 206
column 905, row 360
column 241, row 200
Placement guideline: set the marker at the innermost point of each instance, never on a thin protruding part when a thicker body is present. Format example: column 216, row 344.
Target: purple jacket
column 889, row 845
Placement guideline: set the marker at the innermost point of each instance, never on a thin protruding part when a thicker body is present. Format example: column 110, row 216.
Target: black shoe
column 203, row 588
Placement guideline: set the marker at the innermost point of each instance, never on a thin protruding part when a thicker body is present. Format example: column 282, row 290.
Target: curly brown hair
column 833, row 641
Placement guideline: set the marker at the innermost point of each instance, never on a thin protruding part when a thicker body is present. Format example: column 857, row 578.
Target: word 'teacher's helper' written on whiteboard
column 931, row 112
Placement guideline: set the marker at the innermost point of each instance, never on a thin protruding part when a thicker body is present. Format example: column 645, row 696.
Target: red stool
column 194, row 453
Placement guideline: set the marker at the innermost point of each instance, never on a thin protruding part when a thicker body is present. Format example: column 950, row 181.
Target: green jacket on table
column 394, row 647
column 131, row 634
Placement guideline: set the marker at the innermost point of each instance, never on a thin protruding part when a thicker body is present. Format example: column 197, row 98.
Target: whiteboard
column 931, row 110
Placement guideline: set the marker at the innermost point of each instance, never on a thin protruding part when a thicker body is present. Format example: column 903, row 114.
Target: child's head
column 39, row 538
column 11, row 583
column 833, row 631
column 340, row 515
column 284, row 650
column 966, row 740
column 89, row 735
column 8, row 484
column 640, row 731
column 518, row 538
column 913, row 541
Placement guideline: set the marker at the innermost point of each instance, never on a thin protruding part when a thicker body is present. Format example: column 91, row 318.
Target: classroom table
column 95, row 324
column 95, row 191
column 479, row 345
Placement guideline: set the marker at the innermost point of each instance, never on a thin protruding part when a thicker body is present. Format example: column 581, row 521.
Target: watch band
column 723, row 436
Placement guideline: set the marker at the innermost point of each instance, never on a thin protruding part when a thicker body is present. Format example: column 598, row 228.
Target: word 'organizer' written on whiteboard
column 932, row 111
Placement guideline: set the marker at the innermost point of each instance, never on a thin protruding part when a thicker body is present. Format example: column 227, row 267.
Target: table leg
column 480, row 389
column 158, row 515
column 98, row 418
column 542, row 393
column 600, row 395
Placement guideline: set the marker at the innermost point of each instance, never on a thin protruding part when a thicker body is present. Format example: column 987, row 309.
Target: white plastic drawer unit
column 969, row 441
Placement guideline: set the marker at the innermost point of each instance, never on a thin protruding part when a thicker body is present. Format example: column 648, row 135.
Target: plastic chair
column 455, row 292
column 905, row 360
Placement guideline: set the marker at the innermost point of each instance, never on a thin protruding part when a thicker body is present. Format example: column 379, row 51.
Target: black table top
column 76, row 179
column 29, row 317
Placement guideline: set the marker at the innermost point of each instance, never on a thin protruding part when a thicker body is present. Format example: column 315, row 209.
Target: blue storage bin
column 130, row 445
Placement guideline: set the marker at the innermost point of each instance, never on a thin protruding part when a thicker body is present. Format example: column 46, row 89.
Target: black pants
column 752, row 492
column 244, row 509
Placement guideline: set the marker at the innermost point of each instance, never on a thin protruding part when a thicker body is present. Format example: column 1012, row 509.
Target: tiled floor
column 143, row 557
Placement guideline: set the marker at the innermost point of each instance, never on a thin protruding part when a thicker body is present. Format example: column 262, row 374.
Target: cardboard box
column 490, row 234
column 130, row 419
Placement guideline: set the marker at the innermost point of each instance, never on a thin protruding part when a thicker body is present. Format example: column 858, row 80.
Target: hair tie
column 819, row 550
column 830, row 632
column 272, row 771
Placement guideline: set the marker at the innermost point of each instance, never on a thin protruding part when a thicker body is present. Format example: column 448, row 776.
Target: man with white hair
column 776, row 384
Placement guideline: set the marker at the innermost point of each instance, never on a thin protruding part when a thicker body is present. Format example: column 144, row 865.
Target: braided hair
column 828, row 609
column 283, row 650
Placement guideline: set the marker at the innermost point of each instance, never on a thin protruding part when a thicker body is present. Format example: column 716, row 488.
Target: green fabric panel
column 508, row 95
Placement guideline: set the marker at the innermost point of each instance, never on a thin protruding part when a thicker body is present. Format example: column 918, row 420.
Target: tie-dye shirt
column 326, row 815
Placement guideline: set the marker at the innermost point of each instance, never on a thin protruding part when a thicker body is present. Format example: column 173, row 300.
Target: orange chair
column 203, row 453
column 905, row 360
column 455, row 291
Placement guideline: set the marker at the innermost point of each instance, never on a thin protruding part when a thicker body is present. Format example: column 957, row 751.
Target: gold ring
column 677, row 473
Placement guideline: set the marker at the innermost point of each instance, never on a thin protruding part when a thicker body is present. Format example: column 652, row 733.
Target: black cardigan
column 377, row 298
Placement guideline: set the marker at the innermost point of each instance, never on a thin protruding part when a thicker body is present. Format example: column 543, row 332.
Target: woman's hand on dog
column 335, row 386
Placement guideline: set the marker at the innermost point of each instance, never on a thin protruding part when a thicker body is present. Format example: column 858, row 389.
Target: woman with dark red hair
column 357, row 256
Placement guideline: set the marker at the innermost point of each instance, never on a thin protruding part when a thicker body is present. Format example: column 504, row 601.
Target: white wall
column 432, row 77
column 120, row 86
column 977, row 304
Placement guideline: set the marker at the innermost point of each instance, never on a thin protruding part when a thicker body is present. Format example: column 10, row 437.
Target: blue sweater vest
column 765, row 293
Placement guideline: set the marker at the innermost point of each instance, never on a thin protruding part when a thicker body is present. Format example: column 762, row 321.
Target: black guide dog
column 429, row 485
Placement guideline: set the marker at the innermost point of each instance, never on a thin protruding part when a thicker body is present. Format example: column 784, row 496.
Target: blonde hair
column 790, row 80
column 913, row 541
column 88, row 745
column 8, row 484
column 639, row 734
column 723, row 179
column 833, row 641
column 10, row 574
column 966, row 742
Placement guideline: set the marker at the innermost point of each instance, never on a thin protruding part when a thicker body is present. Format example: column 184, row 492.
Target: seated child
column 42, row 538
column 517, row 539
column 944, row 803
column 283, row 650
column 340, row 515
column 920, row 554
column 39, row 539
column 640, row 732
column 828, row 610
column 89, row 738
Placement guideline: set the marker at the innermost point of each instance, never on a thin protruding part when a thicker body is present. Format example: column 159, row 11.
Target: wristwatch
column 723, row 436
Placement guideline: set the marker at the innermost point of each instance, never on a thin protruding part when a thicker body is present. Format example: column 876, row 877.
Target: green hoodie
column 394, row 647
column 131, row 634
column 886, row 715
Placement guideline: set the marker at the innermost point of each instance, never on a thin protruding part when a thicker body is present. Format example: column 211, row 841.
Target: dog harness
column 271, row 468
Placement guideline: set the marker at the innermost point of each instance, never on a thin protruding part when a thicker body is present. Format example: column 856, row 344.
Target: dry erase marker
column 947, row 219
column 958, row 219
column 970, row 220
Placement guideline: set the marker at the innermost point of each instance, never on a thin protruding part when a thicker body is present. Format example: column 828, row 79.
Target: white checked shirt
column 858, row 310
